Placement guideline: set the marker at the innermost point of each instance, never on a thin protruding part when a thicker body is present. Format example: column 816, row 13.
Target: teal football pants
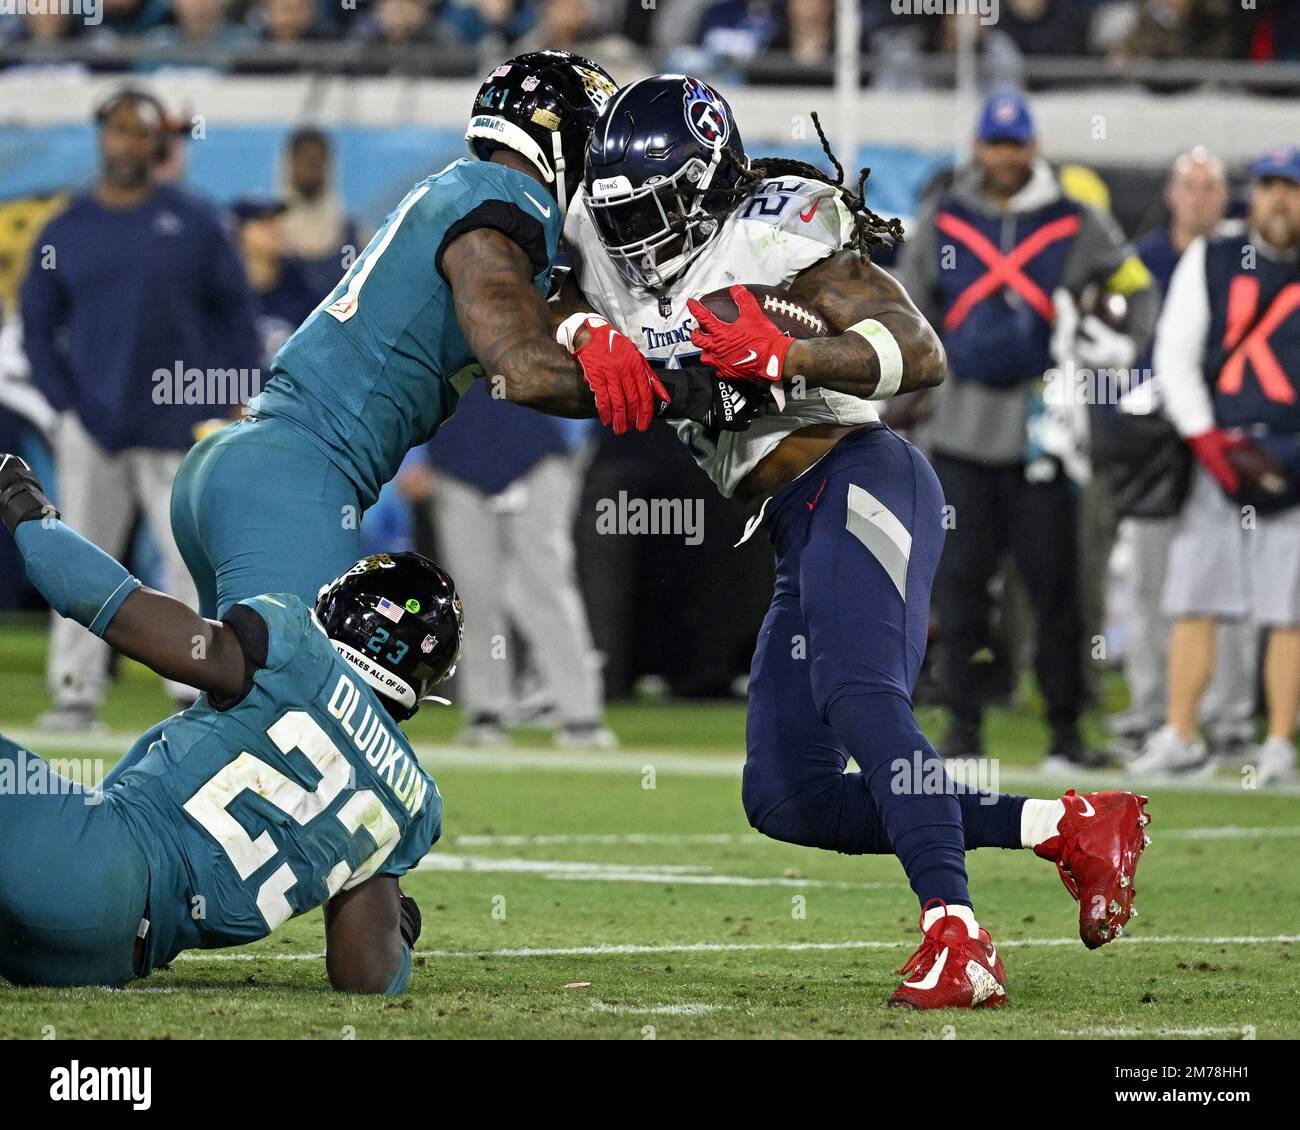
column 258, row 508
column 73, row 880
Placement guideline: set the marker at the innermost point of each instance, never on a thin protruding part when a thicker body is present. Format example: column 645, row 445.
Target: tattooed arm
column 846, row 290
column 508, row 324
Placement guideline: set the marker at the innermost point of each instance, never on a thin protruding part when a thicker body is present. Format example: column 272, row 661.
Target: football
column 790, row 314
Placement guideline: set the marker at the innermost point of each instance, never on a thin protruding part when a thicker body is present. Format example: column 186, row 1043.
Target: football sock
column 965, row 913
column 1038, row 821
column 923, row 822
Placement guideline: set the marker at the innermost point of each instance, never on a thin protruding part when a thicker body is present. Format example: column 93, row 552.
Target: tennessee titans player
column 452, row 286
column 671, row 208
column 287, row 785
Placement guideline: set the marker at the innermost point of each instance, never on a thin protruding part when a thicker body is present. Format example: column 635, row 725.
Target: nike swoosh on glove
column 749, row 349
column 625, row 387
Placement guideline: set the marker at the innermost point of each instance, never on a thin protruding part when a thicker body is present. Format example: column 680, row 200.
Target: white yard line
column 1240, row 1030
column 630, row 949
column 581, row 870
column 687, row 1009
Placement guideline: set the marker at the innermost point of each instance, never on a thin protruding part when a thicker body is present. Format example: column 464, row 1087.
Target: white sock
column 956, row 911
column 1038, row 821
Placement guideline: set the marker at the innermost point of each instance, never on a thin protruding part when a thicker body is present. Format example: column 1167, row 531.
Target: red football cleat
column 1096, row 850
column 951, row 969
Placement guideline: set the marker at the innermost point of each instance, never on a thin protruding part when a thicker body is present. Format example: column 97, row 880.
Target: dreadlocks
column 869, row 229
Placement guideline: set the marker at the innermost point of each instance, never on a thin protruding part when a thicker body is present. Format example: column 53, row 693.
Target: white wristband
column 887, row 353
column 568, row 329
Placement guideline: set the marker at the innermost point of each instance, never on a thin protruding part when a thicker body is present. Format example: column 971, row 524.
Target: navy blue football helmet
column 663, row 164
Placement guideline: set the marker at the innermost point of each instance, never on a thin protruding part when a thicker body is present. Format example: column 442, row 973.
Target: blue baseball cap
column 1281, row 162
column 1006, row 117
column 256, row 208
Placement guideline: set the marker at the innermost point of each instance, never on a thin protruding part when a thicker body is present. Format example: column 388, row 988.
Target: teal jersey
column 379, row 365
column 253, row 813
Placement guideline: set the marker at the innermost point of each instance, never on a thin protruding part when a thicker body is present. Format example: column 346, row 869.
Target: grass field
column 569, row 899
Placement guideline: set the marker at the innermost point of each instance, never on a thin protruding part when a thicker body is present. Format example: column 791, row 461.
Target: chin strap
column 557, row 160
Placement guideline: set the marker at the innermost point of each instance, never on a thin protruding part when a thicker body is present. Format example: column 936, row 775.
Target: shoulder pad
column 810, row 209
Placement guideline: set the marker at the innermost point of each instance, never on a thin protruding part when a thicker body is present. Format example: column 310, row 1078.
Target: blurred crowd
column 676, row 34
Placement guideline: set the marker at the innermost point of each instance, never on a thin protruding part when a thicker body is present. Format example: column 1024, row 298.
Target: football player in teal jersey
column 287, row 785
column 452, row 287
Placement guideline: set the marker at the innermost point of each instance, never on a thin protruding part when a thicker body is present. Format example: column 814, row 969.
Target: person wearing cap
column 996, row 260
column 1227, row 362
column 135, row 283
column 282, row 292
column 1148, row 496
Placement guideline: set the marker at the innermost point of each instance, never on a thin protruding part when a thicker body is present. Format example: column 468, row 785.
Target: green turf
column 585, row 890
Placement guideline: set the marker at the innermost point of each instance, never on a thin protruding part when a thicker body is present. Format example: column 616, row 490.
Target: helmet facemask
column 652, row 233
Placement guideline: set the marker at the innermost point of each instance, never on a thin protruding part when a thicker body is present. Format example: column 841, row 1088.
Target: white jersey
column 786, row 226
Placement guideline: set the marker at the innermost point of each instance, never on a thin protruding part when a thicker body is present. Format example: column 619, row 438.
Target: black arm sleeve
column 254, row 641
column 511, row 221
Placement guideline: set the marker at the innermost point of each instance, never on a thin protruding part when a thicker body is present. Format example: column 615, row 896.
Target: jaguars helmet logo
column 597, row 87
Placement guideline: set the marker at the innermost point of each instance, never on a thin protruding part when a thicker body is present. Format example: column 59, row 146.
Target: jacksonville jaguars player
column 672, row 208
column 287, row 785
column 452, row 286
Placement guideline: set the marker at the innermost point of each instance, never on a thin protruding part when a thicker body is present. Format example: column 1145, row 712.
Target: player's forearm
column 852, row 362
column 538, row 374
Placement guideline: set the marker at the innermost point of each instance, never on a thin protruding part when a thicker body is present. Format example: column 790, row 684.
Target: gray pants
column 1228, row 705
column 99, row 494
column 511, row 555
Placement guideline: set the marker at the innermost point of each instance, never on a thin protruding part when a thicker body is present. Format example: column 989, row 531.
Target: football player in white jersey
column 672, row 208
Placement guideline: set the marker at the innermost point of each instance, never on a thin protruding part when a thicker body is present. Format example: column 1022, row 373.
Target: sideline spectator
column 282, row 294
column 133, row 278
column 1147, row 473
column 1227, row 356
column 506, row 490
column 317, row 229
column 993, row 263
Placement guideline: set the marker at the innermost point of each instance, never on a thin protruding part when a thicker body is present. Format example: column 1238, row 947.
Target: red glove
column 749, row 349
column 618, row 375
column 1212, row 448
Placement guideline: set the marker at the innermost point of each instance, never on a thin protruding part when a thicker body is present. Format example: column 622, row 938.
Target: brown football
column 789, row 314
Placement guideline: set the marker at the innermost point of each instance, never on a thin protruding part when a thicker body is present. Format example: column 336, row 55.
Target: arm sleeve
column 42, row 305
column 511, row 221
column 1181, row 335
column 80, row 580
column 254, row 641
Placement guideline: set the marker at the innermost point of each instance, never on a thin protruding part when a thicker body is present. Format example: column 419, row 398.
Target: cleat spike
column 1103, row 932
column 1143, row 820
column 1124, row 881
column 1146, row 841
column 1115, row 907
column 1132, row 912
column 1119, row 931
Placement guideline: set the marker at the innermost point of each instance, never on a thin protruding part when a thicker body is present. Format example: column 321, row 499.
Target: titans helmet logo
column 705, row 115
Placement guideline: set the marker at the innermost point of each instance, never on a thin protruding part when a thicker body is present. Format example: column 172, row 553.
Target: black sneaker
column 962, row 739
column 1068, row 753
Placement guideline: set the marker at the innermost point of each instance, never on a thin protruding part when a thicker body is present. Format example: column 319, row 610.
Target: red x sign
column 1003, row 270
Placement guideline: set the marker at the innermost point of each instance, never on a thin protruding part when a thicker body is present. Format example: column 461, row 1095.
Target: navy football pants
column 858, row 538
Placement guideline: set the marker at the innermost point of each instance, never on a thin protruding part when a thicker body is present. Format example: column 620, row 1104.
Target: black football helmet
column 663, row 164
column 397, row 619
column 541, row 104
